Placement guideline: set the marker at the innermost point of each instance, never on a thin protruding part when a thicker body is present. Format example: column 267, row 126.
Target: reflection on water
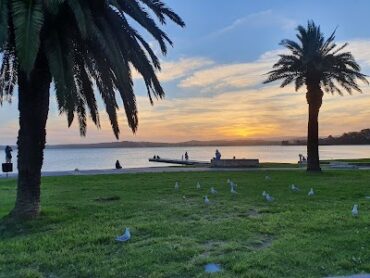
column 69, row 159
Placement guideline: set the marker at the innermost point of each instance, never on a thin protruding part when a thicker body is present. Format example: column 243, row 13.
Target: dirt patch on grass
column 213, row 247
column 107, row 199
column 251, row 213
column 265, row 241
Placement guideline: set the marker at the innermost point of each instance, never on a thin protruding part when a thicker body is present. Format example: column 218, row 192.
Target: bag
column 7, row 167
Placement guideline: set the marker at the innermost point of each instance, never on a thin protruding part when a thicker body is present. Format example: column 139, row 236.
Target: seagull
column 206, row 200
column 213, row 190
column 198, row 185
column 233, row 191
column 125, row 237
column 311, row 193
column 294, row 188
column 355, row 211
column 267, row 178
column 232, row 184
column 269, row 198
column 177, row 186
column 264, row 194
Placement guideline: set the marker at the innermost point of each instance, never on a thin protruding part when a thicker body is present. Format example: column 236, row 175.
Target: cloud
column 217, row 78
column 172, row 70
column 259, row 19
column 360, row 49
column 228, row 76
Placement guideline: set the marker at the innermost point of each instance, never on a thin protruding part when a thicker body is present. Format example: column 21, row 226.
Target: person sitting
column 218, row 155
column 118, row 165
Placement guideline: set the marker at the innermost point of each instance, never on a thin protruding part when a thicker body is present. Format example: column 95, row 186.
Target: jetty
column 221, row 163
column 180, row 162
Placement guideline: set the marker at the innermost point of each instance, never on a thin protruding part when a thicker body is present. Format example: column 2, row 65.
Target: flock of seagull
column 126, row 236
column 233, row 190
column 265, row 195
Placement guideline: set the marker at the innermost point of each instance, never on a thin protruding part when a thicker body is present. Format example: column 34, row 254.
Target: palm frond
column 28, row 19
column 4, row 26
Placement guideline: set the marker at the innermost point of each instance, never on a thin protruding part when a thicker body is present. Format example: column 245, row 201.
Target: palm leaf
column 28, row 19
column 3, row 23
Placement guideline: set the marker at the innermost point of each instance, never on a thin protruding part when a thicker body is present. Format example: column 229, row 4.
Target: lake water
column 84, row 159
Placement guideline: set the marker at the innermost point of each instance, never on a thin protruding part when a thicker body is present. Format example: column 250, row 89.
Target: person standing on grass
column 8, row 154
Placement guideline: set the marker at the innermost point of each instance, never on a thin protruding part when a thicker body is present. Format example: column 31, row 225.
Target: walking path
column 161, row 170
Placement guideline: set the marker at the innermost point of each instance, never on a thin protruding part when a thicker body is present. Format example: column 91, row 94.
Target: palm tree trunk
column 33, row 112
column 314, row 100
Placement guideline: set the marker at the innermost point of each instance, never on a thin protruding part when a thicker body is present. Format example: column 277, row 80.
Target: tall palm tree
column 82, row 46
column 320, row 65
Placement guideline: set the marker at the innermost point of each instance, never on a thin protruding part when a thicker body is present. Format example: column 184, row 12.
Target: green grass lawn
column 295, row 236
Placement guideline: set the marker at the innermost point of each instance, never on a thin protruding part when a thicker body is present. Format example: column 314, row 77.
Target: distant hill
column 193, row 143
column 351, row 138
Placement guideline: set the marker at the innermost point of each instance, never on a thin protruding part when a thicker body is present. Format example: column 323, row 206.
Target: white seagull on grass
column 311, row 193
column 355, row 211
column 294, row 188
column 269, row 198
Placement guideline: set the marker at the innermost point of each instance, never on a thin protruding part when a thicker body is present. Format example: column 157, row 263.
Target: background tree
column 79, row 45
column 318, row 64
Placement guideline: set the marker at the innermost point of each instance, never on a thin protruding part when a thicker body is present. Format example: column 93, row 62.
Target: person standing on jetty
column 186, row 156
column 8, row 154
column 217, row 155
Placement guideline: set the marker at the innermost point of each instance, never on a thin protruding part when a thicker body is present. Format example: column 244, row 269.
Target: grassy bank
column 173, row 236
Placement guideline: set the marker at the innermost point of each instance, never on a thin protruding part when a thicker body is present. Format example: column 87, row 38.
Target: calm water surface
column 83, row 159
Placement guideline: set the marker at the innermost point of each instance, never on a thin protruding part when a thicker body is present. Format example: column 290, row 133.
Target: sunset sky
column 213, row 75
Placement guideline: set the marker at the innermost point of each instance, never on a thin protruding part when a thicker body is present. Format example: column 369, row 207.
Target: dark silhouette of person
column 186, row 156
column 217, row 155
column 118, row 165
column 8, row 154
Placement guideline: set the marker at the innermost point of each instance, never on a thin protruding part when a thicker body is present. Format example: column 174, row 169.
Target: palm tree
column 320, row 65
column 82, row 46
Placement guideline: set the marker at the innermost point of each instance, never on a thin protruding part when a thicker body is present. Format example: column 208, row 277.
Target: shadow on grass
column 11, row 227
